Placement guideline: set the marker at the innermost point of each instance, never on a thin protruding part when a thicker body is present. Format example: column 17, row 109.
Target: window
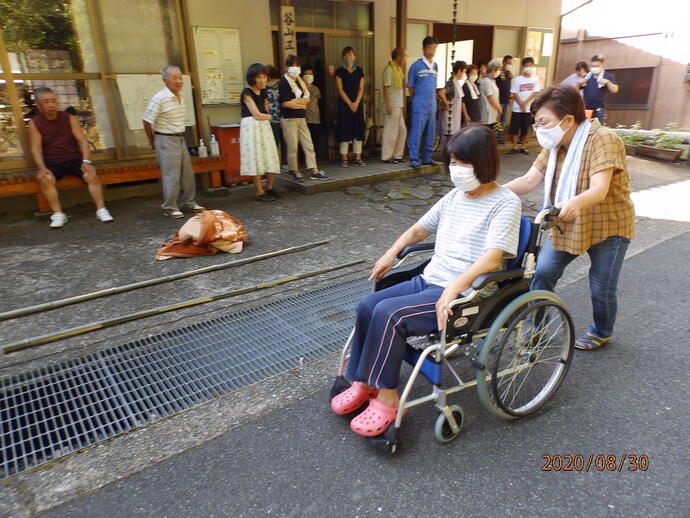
column 82, row 98
column 141, row 37
column 78, row 48
column 48, row 36
column 634, row 86
column 10, row 145
column 327, row 14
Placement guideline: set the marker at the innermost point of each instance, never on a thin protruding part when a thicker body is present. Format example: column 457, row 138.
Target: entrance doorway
column 321, row 51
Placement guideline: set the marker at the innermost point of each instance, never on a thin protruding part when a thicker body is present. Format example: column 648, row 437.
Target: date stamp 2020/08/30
column 595, row 462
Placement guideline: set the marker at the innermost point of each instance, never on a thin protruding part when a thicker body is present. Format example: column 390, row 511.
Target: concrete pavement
column 626, row 399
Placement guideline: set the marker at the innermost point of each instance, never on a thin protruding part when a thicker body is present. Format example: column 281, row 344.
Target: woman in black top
column 349, row 81
column 258, row 151
column 470, row 101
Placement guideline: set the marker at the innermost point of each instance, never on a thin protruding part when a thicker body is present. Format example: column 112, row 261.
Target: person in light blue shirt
column 422, row 83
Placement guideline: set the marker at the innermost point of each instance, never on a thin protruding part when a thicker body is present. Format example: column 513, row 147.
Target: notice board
column 219, row 63
column 136, row 91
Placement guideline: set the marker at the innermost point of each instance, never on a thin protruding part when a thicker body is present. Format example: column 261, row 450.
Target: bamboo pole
column 93, row 326
column 150, row 282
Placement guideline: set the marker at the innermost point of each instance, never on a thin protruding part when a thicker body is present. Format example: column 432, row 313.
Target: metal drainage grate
column 54, row 411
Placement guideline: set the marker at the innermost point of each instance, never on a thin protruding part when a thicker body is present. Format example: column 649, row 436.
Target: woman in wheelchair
column 476, row 226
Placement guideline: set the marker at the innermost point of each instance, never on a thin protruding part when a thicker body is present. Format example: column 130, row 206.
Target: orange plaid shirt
column 615, row 215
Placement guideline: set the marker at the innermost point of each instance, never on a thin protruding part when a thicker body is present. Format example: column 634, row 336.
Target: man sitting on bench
column 59, row 147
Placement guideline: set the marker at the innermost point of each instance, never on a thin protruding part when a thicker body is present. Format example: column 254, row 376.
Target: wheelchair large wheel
column 526, row 355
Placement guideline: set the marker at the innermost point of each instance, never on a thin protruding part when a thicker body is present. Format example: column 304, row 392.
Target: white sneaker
column 175, row 214
column 195, row 208
column 58, row 220
column 104, row 216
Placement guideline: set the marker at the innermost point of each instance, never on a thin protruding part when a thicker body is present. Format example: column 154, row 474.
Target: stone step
column 343, row 177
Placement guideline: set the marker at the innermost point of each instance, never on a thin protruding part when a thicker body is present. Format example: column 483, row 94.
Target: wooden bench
column 23, row 181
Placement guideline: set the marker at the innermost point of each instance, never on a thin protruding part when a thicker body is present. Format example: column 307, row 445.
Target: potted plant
column 662, row 146
column 632, row 140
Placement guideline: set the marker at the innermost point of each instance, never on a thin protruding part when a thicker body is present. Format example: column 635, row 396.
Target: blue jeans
column 600, row 113
column 504, row 116
column 606, row 262
column 422, row 130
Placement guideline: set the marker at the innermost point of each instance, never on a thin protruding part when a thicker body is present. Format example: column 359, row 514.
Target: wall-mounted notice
column 219, row 62
column 136, row 91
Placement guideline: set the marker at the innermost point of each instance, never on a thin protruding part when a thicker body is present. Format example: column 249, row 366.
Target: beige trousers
column 296, row 132
column 394, row 135
column 356, row 147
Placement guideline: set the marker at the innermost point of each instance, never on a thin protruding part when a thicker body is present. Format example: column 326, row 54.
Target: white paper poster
column 136, row 91
column 219, row 62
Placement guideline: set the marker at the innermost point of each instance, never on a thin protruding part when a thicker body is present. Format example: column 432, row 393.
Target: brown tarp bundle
column 205, row 234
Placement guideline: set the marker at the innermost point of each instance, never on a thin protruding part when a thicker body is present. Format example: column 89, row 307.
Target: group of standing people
column 281, row 114
column 594, row 84
column 486, row 99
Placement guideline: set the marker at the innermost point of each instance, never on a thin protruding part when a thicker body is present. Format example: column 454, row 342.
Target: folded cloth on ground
column 205, row 234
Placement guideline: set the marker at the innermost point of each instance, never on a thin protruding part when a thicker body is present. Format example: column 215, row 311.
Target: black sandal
column 360, row 162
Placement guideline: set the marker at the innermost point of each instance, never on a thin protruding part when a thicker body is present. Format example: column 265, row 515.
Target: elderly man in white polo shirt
column 164, row 126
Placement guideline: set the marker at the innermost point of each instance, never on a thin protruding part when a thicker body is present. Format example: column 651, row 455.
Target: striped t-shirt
column 466, row 228
column 165, row 113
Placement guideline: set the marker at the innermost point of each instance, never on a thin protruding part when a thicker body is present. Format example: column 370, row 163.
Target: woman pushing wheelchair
column 477, row 226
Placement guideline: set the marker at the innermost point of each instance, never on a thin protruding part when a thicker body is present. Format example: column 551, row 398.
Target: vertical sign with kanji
column 288, row 36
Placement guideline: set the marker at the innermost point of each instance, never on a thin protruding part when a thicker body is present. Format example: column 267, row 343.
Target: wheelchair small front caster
column 445, row 430
column 388, row 441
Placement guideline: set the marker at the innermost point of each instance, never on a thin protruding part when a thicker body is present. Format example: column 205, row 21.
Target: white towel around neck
column 300, row 90
column 567, row 182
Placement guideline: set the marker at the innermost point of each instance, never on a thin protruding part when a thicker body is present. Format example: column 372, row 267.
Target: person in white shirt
column 490, row 108
column 581, row 69
column 394, row 129
column 164, row 127
column 455, row 94
column 523, row 90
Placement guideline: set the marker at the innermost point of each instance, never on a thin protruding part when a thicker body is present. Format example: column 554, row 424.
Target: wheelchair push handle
column 546, row 219
column 553, row 212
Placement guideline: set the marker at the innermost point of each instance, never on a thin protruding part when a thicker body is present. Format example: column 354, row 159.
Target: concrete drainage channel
column 51, row 412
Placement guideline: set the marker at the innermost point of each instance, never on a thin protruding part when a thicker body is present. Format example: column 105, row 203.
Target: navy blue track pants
column 384, row 320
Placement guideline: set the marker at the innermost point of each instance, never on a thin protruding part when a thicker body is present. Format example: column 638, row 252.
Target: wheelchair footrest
column 340, row 385
column 388, row 441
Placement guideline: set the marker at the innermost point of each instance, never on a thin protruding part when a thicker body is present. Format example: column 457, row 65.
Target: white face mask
column 497, row 73
column 463, row 177
column 308, row 78
column 549, row 138
column 294, row 72
column 528, row 70
column 595, row 70
column 473, row 77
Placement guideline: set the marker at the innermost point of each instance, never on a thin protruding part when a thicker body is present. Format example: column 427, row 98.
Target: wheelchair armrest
column 504, row 275
column 416, row 248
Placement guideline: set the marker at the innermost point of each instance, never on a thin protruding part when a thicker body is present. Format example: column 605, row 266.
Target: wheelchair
column 519, row 341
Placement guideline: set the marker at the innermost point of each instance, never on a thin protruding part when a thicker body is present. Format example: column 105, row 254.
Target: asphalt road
column 629, row 398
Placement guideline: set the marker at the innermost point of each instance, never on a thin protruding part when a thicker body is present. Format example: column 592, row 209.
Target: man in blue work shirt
column 421, row 80
column 595, row 85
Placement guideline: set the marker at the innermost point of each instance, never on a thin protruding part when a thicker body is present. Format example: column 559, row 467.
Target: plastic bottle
column 203, row 153
column 213, row 146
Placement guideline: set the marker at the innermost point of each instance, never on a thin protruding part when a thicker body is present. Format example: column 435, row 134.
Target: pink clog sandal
column 374, row 420
column 351, row 399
